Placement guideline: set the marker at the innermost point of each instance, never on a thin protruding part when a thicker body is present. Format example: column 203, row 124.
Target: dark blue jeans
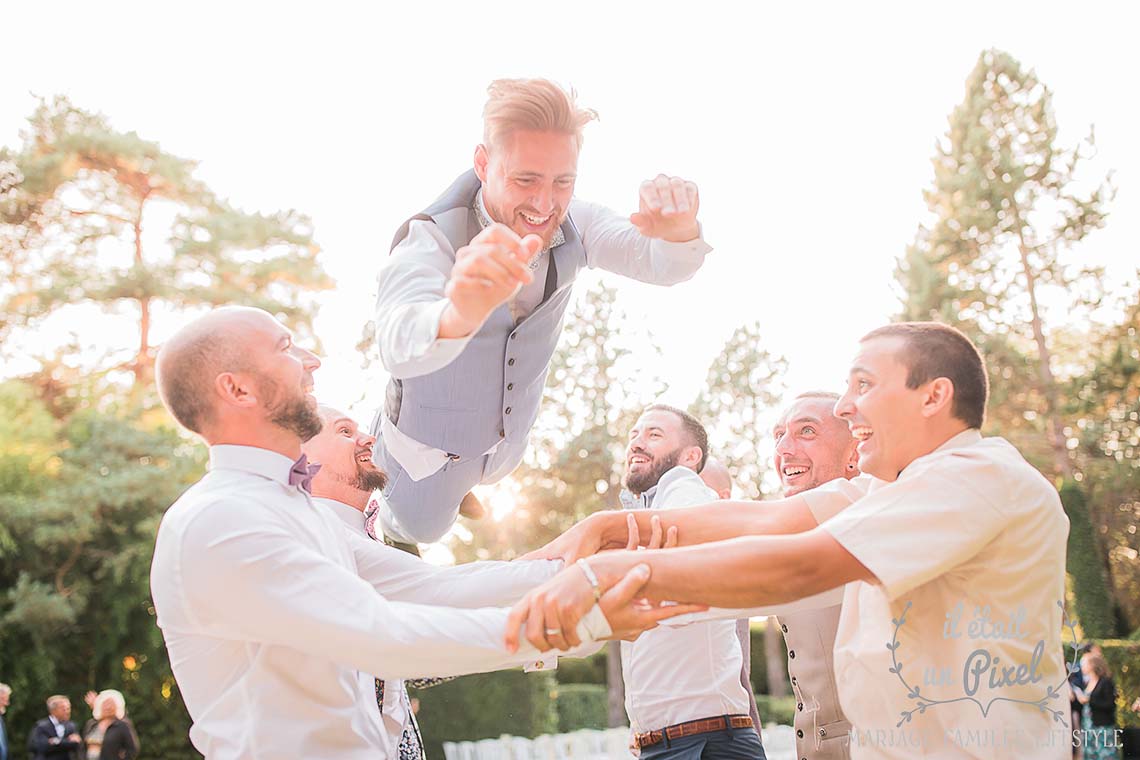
column 732, row 744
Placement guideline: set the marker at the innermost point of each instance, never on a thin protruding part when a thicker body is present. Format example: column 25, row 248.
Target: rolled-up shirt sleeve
column 410, row 302
column 399, row 576
column 614, row 244
column 254, row 581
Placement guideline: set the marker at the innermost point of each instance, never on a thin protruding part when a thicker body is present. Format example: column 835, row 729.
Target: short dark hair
column 691, row 426
column 931, row 350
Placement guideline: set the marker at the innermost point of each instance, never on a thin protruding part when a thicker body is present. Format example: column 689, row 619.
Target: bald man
column 272, row 613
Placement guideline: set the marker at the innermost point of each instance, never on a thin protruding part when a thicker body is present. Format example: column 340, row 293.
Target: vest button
column 822, row 733
column 508, row 410
column 793, row 679
column 502, row 433
column 510, row 386
column 514, row 335
column 792, row 654
column 510, row 362
column 800, row 706
column 799, row 733
column 784, row 628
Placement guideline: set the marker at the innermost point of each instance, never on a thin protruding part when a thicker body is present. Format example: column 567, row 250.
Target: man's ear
column 233, row 388
column 938, row 396
column 690, row 457
column 482, row 158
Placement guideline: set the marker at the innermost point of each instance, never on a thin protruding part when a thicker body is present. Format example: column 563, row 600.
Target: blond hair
column 117, row 703
column 533, row 104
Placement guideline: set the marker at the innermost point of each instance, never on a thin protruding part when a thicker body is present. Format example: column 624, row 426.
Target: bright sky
column 809, row 129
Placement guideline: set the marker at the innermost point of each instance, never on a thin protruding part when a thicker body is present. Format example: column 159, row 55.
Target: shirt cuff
column 443, row 348
column 593, row 626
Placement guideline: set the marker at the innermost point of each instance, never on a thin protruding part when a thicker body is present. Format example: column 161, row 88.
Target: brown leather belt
column 692, row 728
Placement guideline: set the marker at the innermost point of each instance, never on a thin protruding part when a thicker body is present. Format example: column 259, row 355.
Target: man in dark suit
column 55, row 737
column 5, row 694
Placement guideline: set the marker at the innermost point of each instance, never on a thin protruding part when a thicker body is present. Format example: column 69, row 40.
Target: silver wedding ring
column 553, row 631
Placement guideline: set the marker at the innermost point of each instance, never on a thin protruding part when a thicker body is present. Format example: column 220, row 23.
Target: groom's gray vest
column 492, row 390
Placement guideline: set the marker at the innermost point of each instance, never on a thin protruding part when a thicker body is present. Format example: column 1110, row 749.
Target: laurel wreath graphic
column 922, row 703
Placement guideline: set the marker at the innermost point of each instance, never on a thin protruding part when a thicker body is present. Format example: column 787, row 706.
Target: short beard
column 298, row 415
column 642, row 482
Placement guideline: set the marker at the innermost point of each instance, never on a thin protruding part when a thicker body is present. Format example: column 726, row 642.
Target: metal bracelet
column 591, row 577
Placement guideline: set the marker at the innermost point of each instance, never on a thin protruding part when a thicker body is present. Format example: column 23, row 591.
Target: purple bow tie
column 302, row 473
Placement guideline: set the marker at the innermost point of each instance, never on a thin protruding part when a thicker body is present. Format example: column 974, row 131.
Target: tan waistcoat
column 821, row 729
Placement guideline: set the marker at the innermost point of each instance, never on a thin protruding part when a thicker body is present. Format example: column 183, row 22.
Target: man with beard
column 271, row 611
column 471, row 301
column 346, row 484
column 950, row 551
column 814, row 447
column 683, row 683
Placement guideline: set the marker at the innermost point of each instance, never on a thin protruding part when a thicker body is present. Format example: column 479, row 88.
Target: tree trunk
column 775, row 658
column 615, row 686
column 1062, row 465
column 142, row 363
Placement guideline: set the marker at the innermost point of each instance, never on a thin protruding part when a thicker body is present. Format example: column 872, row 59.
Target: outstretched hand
column 487, row 272
column 668, row 209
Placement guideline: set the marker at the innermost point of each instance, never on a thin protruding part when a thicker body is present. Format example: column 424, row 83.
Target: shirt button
column 514, row 335
column 538, row 665
column 792, row 654
column 510, row 362
column 510, row 386
column 502, row 433
column 508, row 410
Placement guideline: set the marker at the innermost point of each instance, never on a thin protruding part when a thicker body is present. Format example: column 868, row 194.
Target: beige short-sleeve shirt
column 968, row 546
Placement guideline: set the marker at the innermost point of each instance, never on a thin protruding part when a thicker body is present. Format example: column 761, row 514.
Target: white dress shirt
column 971, row 524
column 681, row 673
column 411, row 301
column 488, row 583
column 274, row 626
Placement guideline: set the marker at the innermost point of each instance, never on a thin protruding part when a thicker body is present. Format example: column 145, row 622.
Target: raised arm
column 715, row 521
column 399, row 576
column 755, row 571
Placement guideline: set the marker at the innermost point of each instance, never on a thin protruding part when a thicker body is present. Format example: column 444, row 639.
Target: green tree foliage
column 1008, row 210
column 79, row 194
column 744, row 386
column 80, row 503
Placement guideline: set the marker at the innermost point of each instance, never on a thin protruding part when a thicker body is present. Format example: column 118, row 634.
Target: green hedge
column 486, row 706
column 1123, row 657
column 776, row 709
column 580, row 705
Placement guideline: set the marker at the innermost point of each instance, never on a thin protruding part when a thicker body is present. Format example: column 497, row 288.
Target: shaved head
column 716, row 476
column 249, row 351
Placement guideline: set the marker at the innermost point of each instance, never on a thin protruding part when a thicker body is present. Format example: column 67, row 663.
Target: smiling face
column 657, row 443
column 282, row 376
column 528, row 180
column 344, row 453
column 813, row 446
column 893, row 424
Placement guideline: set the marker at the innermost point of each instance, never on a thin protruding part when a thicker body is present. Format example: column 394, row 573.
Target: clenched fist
column 487, row 272
column 668, row 209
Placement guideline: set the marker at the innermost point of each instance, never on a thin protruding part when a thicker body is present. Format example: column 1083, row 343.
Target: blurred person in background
column 109, row 735
column 55, row 737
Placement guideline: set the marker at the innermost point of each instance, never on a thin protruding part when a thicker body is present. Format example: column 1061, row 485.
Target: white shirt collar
column 268, row 464
column 967, row 437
